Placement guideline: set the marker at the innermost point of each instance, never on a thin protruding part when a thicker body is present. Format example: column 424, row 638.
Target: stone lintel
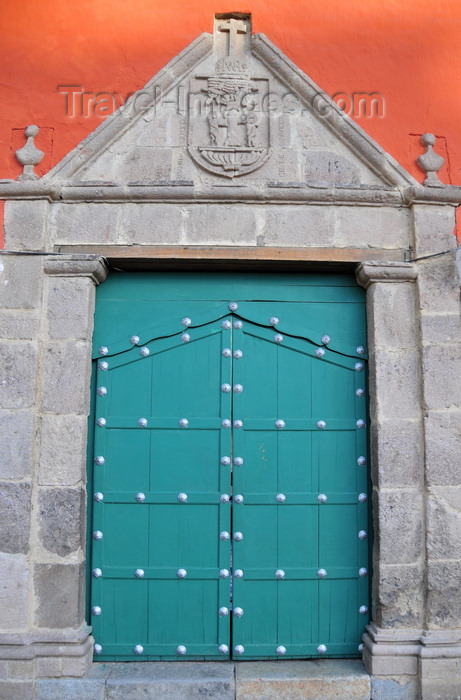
column 78, row 265
column 139, row 255
column 368, row 273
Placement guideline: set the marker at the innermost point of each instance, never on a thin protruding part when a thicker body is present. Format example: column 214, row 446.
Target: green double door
column 229, row 474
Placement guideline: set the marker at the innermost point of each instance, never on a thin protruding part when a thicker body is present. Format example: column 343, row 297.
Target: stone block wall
column 415, row 332
column 396, row 441
column 440, row 328
column 20, row 298
column 47, row 304
column 46, row 324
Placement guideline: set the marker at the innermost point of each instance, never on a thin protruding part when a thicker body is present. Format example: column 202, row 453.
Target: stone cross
column 234, row 27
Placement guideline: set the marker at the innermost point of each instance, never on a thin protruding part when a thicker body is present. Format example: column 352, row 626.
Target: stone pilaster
column 44, row 410
column 440, row 332
column 20, row 302
column 21, row 283
column 396, row 437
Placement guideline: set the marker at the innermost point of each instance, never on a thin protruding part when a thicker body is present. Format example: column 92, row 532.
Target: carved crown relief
column 228, row 131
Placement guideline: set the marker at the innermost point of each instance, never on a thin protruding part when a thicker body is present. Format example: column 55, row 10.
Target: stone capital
column 368, row 273
column 79, row 265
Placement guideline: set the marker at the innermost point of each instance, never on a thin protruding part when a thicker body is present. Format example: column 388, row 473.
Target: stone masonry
column 294, row 182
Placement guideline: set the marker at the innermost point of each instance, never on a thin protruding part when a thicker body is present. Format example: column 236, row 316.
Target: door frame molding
column 389, row 285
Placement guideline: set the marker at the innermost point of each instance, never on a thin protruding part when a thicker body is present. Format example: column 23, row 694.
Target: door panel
column 161, row 508
column 289, row 457
column 230, row 478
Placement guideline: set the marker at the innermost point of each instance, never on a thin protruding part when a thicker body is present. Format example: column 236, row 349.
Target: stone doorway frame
column 403, row 251
column 406, row 303
column 390, row 286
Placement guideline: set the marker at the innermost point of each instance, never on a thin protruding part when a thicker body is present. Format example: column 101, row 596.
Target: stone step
column 326, row 679
column 135, row 680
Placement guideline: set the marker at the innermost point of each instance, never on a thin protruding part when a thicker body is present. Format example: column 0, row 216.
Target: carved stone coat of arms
column 228, row 115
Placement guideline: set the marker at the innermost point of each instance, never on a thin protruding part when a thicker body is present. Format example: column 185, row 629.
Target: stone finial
column 29, row 155
column 430, row 162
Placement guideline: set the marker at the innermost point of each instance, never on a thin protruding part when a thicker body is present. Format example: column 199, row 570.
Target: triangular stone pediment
column 231, row 110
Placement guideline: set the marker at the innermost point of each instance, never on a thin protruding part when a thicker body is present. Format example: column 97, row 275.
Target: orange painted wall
column 409, row 51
